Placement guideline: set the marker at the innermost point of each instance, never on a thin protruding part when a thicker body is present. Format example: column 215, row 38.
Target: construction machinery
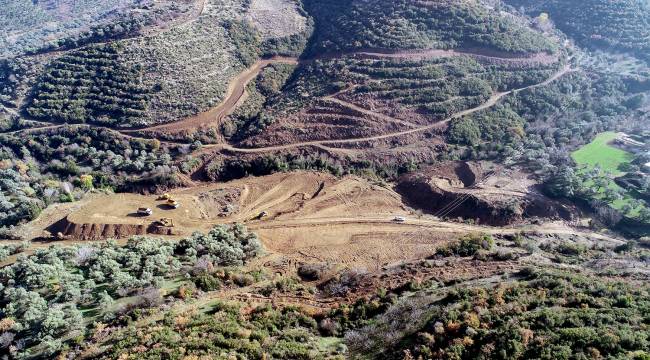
column 173, row 203
column 164, row 196
column 164, row 222
column 145, row 211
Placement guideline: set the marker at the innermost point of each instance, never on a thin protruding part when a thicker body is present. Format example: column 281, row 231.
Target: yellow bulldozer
column 164, row 222
column 173, row 203
column 164, row 196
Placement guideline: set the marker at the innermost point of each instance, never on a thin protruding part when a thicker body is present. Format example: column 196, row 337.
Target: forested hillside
column 344, row 25
column 614, row 25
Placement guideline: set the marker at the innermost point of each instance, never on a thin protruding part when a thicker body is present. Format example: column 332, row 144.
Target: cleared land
column 311, row 216
column 276, row 18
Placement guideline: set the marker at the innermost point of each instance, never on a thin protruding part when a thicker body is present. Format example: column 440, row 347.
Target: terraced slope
column 27, row 26
column 363, row 96
column 91, row 85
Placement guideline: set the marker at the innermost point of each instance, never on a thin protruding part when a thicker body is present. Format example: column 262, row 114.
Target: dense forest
column 344, row 25
column 611, row 25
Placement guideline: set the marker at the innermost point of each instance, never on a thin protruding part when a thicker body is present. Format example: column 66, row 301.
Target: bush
column 207, row 282
column 468, row 245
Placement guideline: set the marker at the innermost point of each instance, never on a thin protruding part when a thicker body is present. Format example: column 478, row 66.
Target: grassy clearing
column 600, row 153
column 611, row 160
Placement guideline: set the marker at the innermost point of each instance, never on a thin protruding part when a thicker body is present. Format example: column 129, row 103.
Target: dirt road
column 234, row 94
column 426, row 223
column 237, row 87
column 310, row 215
column 493, row 100
column 537, row 58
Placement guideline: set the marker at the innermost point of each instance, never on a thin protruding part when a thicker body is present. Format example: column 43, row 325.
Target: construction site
column 315, row 217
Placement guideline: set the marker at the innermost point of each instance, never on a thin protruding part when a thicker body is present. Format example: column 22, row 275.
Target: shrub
column 468, row 245
column 207, row 282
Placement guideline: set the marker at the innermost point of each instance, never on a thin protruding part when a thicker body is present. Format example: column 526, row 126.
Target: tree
column 564, row 183
column 644, row 214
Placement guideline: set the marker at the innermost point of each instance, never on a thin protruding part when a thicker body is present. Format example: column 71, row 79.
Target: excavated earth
column 311, row 216
column 486, row 194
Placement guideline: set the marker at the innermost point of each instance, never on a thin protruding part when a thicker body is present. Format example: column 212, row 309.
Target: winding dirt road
column 234, row 94
column 493, row 100
column 237, row 88
column 538, row 58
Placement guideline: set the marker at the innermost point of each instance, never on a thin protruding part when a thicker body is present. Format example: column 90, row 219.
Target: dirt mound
column 473, row 191
column 89, row 231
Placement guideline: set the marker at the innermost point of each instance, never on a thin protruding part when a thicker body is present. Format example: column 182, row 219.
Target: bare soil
column 482, row 192
column 312, row 217
column 276, row 18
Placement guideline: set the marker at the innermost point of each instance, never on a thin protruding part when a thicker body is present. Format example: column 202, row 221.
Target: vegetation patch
column 344, row 25
column 617, row 25
column 544, row 314
column 49, row 299
column 601, row 153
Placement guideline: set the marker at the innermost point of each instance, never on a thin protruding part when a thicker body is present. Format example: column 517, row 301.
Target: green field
column 600, row 153
column 610, row 159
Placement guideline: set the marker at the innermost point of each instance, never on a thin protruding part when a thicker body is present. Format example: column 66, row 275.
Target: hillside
column 35, row 26
column 613, row 25
column 312, row 179
column 345, row 25
column 175, row 72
